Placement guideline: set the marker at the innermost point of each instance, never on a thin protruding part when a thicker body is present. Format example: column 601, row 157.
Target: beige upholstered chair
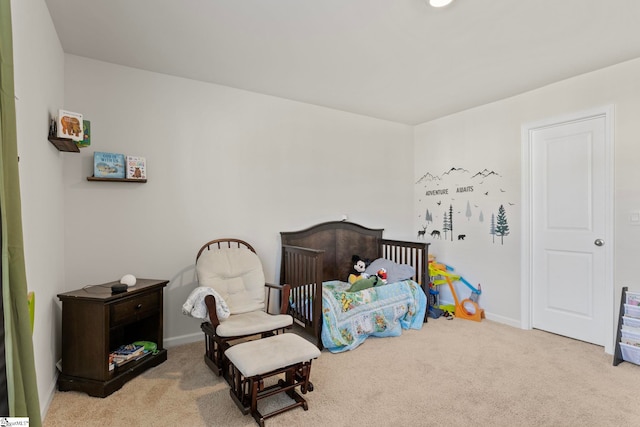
column 233, row 270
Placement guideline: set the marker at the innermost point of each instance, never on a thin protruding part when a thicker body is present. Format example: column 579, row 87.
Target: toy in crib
column 357, row 271
column 360, row 280
column 467, row 308
column 382, row 275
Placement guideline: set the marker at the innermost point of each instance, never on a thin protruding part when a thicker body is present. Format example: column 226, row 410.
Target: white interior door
column 569, row 236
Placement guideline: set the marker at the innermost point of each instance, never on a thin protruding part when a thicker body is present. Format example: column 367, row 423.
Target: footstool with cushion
column 254, row 361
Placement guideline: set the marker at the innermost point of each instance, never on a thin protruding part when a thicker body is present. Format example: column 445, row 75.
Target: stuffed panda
column 357, row 271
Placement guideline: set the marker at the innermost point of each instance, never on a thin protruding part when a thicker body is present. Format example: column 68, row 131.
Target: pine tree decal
column 492, row 227
column 451, row 221
column 427, row 217
column 502, row 228
column 446, row 224
column 469, row 214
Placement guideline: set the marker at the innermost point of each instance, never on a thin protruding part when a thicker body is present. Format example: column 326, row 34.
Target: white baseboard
column 183, row 339
column 501, row 319
column 491, row 316
column 44, row 406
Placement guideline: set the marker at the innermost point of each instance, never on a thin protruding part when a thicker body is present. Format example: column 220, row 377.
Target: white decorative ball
column 128, row 279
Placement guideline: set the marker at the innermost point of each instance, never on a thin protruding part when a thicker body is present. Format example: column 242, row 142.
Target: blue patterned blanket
column 383, row 311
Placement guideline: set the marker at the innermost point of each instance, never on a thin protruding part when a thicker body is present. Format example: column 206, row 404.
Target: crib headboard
column 339, row 240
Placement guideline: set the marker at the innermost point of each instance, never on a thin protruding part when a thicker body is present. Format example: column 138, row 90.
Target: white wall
column 489, row 136
column 221, row 162
column 39, row 79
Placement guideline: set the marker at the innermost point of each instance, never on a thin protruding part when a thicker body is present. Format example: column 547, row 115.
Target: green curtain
column 20, row 364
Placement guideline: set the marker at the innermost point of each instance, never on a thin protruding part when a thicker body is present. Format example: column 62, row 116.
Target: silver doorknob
column 599, row 242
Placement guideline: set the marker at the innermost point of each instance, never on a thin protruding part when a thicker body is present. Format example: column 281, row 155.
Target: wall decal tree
column 451, row 221
column 492, row 227
column 428, row 217
column 446, row 224
column 502, row 228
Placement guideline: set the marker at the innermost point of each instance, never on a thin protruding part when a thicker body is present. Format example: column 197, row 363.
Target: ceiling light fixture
column 439, row 3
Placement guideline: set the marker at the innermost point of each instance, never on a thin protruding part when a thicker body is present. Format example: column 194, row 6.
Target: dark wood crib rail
column 301, row 268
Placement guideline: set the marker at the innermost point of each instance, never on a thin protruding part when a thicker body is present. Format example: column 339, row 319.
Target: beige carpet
column 450, row 373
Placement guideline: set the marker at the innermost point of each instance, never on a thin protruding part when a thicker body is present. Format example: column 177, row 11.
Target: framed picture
column 69, row 125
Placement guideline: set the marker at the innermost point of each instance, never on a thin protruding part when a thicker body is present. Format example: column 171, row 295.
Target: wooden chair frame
column 216, row 345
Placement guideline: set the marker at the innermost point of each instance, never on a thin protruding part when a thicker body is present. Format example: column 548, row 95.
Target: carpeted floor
column 451, row 372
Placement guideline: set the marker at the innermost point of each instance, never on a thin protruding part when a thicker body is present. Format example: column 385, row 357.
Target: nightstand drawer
column 134, row 308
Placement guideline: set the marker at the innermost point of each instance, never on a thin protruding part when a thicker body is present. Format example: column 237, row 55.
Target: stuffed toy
column 363, row 284
column 382, row 274
column 357, row 271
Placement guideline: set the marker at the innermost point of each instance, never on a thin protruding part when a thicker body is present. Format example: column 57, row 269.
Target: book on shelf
column 69, row 125
column 126, row 353
column 119, row 362
column 108, row 165
column 630, row 341
column 136, row 167
column 86, row 134
column 633, row 298
column 128, row 349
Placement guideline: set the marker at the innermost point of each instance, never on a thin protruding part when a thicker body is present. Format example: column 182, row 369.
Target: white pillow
column 395, row 272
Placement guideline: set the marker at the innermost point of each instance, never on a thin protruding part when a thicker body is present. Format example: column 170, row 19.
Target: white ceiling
column 398, row 60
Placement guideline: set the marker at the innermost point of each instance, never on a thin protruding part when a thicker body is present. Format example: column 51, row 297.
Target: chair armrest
column 284, row 295
column 210, row 302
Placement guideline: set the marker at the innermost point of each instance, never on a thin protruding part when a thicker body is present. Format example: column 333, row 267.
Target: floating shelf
column 93, row 178
column 64, row 144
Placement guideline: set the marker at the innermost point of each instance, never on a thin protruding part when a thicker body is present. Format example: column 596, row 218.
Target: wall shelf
column 93, row 178
column 64, row 144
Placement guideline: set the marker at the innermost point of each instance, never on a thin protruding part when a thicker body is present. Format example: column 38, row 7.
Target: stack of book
column 126, row 353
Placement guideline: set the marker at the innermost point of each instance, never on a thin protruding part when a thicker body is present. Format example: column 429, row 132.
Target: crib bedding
column 383, row 311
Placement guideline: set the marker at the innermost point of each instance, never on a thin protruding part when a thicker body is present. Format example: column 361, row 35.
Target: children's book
column 108, row 165
column 86, row 134
column 129, row 349
column 69, row 125
column 633, row 298
column 136, row 167
column 127, row 353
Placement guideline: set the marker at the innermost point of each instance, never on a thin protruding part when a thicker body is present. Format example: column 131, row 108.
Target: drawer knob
column 138, row 307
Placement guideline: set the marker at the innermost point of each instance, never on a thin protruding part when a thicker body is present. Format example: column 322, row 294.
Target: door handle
column 599, row 242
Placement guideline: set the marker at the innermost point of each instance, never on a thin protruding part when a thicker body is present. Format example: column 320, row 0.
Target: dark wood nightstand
column 96, row 322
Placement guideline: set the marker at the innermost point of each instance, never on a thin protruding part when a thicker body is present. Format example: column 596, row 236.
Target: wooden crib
column 323, row 252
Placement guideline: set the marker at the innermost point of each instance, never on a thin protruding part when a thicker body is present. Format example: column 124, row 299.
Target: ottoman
column 253, row 361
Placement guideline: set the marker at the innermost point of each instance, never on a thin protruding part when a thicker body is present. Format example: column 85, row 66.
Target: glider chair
column 241, row 300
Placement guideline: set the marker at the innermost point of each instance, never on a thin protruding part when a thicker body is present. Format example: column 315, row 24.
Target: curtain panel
column 22, row 387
